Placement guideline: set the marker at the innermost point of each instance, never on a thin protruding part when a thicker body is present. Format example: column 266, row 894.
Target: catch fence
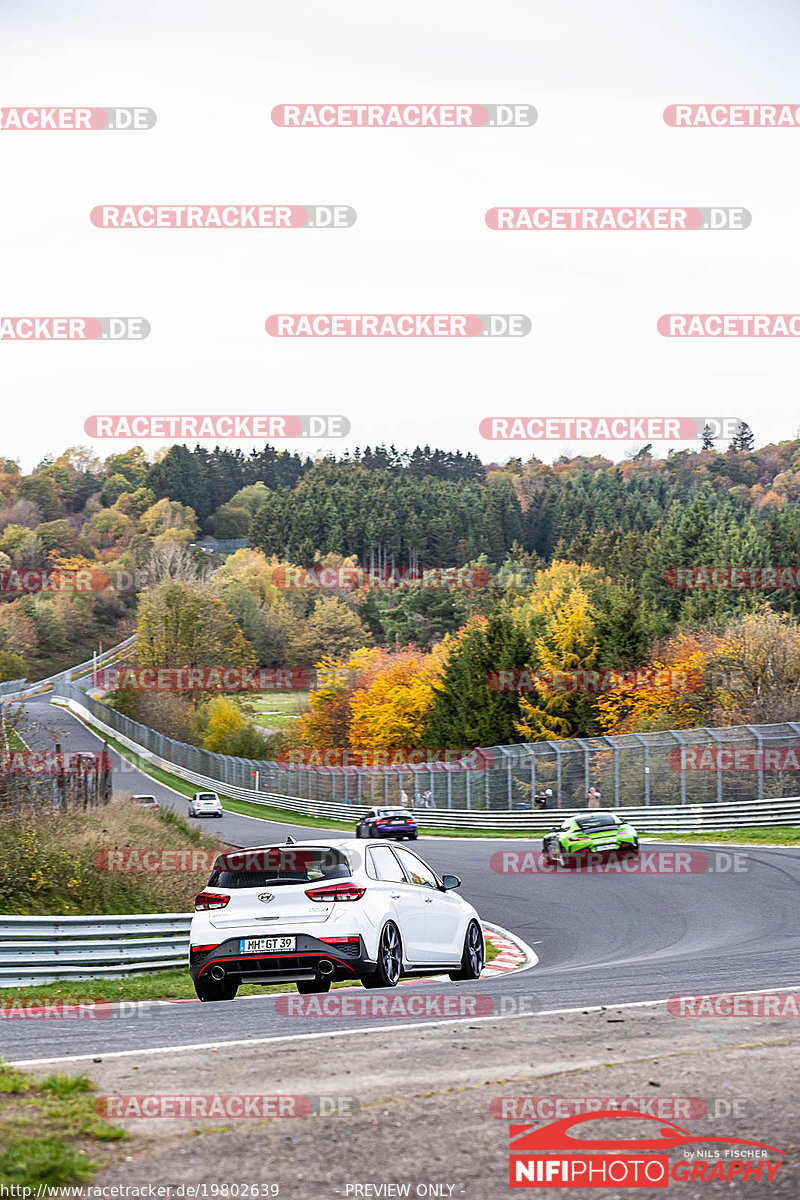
column 702, row 766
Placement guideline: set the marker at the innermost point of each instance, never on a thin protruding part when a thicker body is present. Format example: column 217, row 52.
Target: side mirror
column 450, row 881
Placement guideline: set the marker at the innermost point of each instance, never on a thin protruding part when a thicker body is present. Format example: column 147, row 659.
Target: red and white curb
column 514, row 955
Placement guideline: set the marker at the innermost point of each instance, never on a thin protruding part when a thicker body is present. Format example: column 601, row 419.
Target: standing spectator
column 592, row 797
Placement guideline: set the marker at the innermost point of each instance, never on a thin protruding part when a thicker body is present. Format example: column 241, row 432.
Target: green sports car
column 590, row 833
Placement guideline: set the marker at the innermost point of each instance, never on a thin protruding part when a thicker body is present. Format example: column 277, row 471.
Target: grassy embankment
column 50, row 867
column 50, row 1133
column 274, row 711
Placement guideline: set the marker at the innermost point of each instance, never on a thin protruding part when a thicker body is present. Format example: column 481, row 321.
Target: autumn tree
column 393, row 709
column 181, row 625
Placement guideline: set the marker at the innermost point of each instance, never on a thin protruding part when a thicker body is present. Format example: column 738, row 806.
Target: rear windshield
column 207, row 796
column 392, row 812
column 276, row 865
column 596, row 823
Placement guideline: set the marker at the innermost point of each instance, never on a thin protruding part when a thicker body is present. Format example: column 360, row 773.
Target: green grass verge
column 274, row 710
column 775, row 835
column 14, row 741
column 49, row 1131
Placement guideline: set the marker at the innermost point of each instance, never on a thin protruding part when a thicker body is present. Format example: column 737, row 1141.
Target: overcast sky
column 599, row 77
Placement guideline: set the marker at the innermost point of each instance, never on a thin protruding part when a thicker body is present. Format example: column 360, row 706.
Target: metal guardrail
column 36, row 950
column 12, row 685
column 659, row 818
column 43, row 685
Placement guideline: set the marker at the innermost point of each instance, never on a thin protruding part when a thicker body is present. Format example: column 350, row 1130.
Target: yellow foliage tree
column 225, row 720
column 673, row 693
column 567, row 641
column 392, row 710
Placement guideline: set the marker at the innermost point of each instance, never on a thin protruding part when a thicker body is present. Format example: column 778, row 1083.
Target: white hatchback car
column 315, row 913
column 205, row 804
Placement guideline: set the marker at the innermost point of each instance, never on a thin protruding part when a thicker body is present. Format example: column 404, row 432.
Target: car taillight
column 208, row 900
column 341, row 941
column 203, row 949
column 335, row 891
column 381, row 822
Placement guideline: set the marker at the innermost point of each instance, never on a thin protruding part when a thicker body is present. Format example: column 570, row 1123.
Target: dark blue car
column 387, row 822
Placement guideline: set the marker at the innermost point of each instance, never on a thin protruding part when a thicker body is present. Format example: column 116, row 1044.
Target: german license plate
column 262, row 945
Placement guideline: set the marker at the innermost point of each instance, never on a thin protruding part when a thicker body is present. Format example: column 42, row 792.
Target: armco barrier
column 649, row 819
column 12, row 686
column 42, row 950
column 44, row 685
column 37, row 950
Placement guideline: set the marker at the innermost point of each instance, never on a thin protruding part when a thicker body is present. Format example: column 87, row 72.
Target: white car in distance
column 316, row 913
column 205, row 804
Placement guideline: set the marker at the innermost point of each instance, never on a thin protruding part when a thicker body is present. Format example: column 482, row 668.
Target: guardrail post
column 718, row 743
column 643, row 742
column 759, row 740
column 682, row 745
column 558, row 772
column 615, row 748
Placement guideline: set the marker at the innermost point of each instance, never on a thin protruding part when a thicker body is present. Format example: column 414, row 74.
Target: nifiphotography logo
column 550, row 1156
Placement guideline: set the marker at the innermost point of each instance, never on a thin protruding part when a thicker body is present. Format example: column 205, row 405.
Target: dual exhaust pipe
column 325, row 968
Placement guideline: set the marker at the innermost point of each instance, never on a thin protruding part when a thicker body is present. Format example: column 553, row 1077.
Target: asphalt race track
column 601, row 938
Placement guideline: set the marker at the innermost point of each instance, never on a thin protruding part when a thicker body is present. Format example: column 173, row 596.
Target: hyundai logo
column 265, row 897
